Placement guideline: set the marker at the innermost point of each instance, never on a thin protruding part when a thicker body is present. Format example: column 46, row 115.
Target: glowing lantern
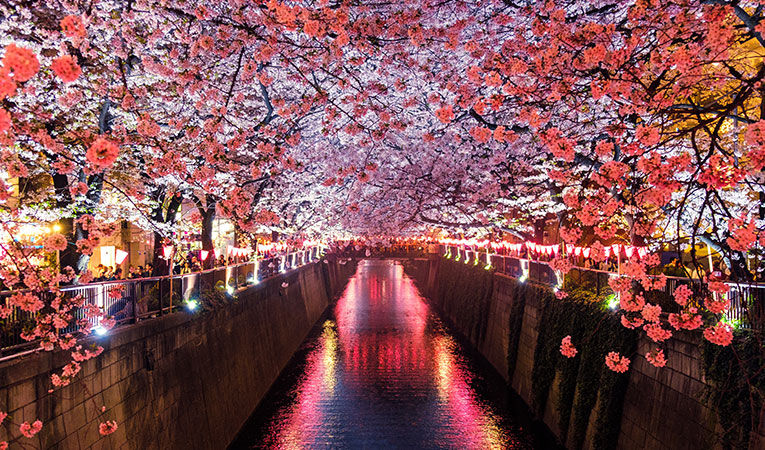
column 578, row 251
column 629, row 250
column 203, row 254
column 586, row 252
column 642, row 251
column 167, row 251
column 120, row 255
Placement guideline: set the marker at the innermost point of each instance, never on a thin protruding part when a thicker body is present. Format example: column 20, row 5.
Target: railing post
column 597, row 283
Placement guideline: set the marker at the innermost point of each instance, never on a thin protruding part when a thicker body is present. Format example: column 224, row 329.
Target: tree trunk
column 208, row 217
column 207, row 212
column 161, row 266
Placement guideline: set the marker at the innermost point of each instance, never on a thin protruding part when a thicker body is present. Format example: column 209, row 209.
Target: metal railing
column 393, row 251
column 131, row 300
column 747, row 300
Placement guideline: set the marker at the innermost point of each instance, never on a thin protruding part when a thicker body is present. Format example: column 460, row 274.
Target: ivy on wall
column 463, row 293
column 583, row 379
column 735, row 388
column 735, row 375
column 585, row 385
column 518, row 294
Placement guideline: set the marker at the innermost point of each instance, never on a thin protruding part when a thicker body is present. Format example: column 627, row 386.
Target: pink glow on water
column 385, row 374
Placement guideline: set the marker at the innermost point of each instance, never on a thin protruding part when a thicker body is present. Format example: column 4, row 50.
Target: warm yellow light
column 56, row 228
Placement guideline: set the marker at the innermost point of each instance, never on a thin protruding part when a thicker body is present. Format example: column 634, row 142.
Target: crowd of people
column 183, row 264
column 109, row 273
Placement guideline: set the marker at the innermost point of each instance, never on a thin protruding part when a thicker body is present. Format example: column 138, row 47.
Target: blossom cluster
column 617, row 362
column 567, row 349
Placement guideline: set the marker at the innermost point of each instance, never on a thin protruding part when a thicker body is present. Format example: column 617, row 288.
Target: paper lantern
column 607, row 251
column 203, row 254
column 216, row 252
column 586, row 252
column 578, row 251
column 642, row 252
column 120, row 255
column 556, row 249
column 629, row 250
column 167, row 251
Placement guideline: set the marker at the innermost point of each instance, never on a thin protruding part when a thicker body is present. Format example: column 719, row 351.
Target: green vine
column 464, row 295
column 583, row 379
column 515, row 324
column 735, row 388
column 735, row 374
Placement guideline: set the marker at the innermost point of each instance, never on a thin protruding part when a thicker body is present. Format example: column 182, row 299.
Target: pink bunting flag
column 120, row 255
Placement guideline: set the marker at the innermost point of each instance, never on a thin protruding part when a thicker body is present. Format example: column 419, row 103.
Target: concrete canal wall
column 647, row 408
column 180, row 381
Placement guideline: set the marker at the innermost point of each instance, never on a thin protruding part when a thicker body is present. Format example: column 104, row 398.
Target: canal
column 381, row 370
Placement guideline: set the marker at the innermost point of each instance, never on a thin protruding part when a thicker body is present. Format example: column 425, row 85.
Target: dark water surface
column 382, row 371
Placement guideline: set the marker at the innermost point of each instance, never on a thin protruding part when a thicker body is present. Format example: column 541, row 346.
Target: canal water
column 382, row 371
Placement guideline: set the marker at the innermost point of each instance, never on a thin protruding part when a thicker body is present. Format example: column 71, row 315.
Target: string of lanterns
column 549, row 250
column 238, row 251
column 169, row 250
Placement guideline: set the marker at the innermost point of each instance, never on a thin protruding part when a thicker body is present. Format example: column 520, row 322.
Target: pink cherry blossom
column 617, row 362
column 107, row 428
column 66, row 68
column 720, row 334
column 567, row 349
column 656, row 358
column 102, row 153
column 30, row 430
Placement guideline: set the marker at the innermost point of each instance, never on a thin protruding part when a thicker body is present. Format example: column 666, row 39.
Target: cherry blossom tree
column 637, row 122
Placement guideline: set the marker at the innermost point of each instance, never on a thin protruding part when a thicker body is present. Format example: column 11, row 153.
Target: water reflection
column 383, row 373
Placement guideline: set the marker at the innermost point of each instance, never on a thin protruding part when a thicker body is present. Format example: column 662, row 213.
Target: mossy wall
column 518, row 327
